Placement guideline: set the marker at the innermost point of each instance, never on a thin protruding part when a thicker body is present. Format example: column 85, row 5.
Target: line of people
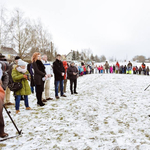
column 117, row 68
column 38, row 74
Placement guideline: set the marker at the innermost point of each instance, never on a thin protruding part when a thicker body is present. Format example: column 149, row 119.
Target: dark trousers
column 73, row 81
column 39, row 94
column 1, row 118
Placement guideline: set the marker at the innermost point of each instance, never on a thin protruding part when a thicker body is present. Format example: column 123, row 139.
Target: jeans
column 32, row 89
column 18, row 98
column 61, row 87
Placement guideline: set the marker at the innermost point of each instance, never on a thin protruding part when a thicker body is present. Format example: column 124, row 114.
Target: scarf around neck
column 19, row 69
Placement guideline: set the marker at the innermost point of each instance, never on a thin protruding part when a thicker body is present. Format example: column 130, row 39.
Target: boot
column 17, row 111
column 3, row 135
column 75, row 92
column 41, row 104
column 28, row 108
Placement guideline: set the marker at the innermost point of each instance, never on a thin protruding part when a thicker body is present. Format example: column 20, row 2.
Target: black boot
column 75, row 92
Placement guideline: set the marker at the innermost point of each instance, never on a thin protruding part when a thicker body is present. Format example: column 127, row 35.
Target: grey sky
column 114, row 28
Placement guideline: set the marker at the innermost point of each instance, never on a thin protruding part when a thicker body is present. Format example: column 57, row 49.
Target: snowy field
column 109, row 113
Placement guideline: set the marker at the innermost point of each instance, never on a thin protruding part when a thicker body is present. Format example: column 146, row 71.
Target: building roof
column 8, row 50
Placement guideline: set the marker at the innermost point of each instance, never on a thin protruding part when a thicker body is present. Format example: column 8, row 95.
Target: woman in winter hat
column 20, row 74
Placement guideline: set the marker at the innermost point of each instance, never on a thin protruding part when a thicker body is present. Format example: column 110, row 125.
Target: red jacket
column 65, row 67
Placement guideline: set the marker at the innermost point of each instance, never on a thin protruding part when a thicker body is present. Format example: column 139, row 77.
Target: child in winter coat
column 111, row 69
column 20, row 74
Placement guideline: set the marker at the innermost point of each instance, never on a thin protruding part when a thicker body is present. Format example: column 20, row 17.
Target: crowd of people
column 35, row 77
column 117, row 68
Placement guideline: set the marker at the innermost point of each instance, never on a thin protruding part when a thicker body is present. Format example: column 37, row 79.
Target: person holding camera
column 72, row 75
column 2, row 95
column 20, row 74
column 49, row 72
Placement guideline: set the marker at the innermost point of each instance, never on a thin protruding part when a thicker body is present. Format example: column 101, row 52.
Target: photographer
column 20, row 74
column 2, row 94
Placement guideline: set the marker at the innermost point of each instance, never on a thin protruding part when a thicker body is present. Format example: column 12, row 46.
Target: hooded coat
column 18, row 77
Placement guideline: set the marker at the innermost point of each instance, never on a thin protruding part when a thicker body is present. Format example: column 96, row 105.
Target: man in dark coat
column 72, row 73
column 59, row 72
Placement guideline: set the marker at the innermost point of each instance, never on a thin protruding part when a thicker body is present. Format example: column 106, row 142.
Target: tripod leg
column 19, row 132
column 146, row 88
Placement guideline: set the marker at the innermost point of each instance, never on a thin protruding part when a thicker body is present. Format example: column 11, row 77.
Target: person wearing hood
column 72, row 73
column 20, row 74
column 59, row 73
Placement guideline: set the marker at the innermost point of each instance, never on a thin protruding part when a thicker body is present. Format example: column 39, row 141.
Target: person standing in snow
column 49, row 73
column 144, row 68
column 117, row 67
column 129, row 68
column 59, row 73
column 107, row 66
column 65, row 75
column 39, row 76
column 72, row 73
column 2, row 95
column 30, row 69
column 20, row 74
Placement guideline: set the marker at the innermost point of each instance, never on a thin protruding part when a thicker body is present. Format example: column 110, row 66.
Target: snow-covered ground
column 109, row 113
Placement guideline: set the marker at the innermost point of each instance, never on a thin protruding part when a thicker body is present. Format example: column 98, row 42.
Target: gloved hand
column 25, row 76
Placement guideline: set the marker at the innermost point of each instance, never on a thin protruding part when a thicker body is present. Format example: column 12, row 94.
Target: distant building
column 8, row 52
column 69, row 56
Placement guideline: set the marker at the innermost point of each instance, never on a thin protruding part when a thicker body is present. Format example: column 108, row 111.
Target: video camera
column 4, row 66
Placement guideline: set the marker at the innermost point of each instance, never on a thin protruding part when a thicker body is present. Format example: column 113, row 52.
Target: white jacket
column 48, row 67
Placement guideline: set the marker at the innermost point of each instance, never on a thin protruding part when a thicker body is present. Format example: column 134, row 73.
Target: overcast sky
column 114, row 28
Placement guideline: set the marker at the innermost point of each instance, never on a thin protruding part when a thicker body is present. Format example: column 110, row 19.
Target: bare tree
column 5, row 27
column 21, row 33
column 102, row 58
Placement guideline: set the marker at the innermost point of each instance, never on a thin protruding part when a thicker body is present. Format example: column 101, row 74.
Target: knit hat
column 17, row 57
column 21, row 63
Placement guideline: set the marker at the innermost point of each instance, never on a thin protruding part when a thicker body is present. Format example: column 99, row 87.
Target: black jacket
column 29, row 68
column 39, row 72
column 58, row 69
column 70, row 71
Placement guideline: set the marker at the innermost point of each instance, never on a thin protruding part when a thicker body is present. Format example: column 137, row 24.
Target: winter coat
column 30, row 69
column 70, row 71
column 65, row 67
column 2, row 94
column 39, row 72
column 18, row 77
column 106, row 65
column 48, row 68
column 58, row 69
